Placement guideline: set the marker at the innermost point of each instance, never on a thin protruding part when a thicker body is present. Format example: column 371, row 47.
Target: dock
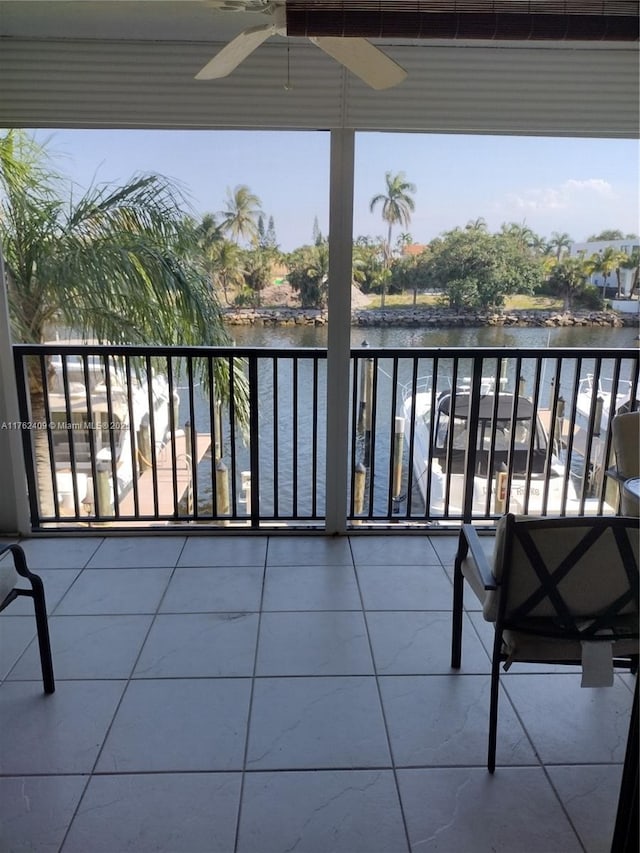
column 164, row 477
column 580, row 436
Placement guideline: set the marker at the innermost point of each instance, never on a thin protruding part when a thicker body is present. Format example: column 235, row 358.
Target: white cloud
column 562, row 197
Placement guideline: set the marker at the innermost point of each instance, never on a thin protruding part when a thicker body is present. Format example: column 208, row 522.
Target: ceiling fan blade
column 232, row 54
column 364, row 60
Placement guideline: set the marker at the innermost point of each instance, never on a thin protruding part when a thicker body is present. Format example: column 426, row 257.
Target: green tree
column 226, row 267
column 570, row 276
column 397, row 205
column 117, row 265
column 607, row 261
column 607, row 234
column 309, row 274
column 258, row 266
column 526, row 238
column 270, row 238
column 240, row 216
column 476, row 269
column 479, row 224
column 368, row 262
column 631, row 262
column 559, row 242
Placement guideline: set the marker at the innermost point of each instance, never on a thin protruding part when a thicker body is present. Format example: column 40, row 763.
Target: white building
column 597, row 247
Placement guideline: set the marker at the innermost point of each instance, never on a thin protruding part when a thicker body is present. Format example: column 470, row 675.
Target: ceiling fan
column 361, row 57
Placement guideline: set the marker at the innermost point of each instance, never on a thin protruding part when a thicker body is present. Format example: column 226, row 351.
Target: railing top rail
column 321, row 352
column 176, row 351
column 496, row 352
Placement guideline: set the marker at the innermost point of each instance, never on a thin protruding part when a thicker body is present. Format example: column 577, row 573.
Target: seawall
column 421, row 317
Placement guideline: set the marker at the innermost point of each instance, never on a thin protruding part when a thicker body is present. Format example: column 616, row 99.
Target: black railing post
column 474, row 411
column 22, row 383
column 254, row 439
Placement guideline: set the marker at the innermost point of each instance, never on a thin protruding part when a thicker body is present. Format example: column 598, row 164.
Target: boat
column 508, row 435
column 92, row 429
column 609, row 400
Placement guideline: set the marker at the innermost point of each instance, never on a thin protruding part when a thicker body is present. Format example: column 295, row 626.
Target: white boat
column 607, row 403
column 502, row 435
column 91, row 428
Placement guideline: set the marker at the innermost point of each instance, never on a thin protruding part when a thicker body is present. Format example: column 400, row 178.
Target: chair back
column 625, row 432
column 565, row 572
column 8, row 573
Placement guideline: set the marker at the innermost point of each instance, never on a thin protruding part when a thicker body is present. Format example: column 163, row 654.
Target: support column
column 14, row 506
column 339, row 332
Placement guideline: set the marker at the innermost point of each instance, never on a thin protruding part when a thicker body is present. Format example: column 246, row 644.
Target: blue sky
column 580, row 186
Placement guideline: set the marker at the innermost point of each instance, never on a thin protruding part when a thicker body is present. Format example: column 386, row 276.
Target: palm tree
column 608, row 261
column 569, row 276
column 116, row 265
column 240, row 216
column 479, row 224
column 226, row 268
column 397, row 207
column 221, row 259
column 560, row 242
column 522, row 234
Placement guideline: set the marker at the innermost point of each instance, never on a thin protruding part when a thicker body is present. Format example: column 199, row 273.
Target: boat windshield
column 504, row 424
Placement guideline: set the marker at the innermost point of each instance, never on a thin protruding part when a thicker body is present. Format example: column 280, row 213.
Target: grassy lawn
column 520, row 302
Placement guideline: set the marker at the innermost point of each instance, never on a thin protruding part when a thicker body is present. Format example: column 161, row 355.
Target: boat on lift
column 514, row 467
column 103, row 427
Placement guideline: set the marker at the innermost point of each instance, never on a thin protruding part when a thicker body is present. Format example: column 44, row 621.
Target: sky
column 577, row 186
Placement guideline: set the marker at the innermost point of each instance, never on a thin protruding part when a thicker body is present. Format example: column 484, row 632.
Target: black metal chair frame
column 566, row 627
column 37, row 594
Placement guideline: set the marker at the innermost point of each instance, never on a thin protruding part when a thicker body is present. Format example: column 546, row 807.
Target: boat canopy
column 524, row 408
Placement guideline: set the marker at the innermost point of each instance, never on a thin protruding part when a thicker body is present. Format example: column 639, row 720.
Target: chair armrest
column 615, row 475
column 479, row 557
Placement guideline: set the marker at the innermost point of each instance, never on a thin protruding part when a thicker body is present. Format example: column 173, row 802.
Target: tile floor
column 236, row 694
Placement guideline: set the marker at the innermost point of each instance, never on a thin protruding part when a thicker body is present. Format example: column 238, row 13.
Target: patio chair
column 625, row 432
column 9, row 574
column 558, row 590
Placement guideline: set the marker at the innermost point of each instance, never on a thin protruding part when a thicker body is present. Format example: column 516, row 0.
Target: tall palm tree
column 560, row 242
column 241, row 213
column 397, row 205
column 608, row 261
column 116, row 265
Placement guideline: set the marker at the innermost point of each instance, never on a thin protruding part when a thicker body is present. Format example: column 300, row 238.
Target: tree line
column 468, row 267
column 96, row 263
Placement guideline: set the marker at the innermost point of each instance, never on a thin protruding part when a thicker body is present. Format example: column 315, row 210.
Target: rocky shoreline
column 420, row 317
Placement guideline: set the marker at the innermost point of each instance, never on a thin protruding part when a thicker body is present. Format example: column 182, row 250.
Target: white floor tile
column 157, row 813
column 590, row 796
column 450, row 810
column 320, row 811
column 35, row 811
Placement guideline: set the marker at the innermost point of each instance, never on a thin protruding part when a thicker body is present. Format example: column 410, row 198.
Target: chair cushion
column 527, row 647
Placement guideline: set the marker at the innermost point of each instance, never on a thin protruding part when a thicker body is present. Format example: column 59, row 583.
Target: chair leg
column 458, row 595
column 42, row 626
column 493, row 704
column 456, row 627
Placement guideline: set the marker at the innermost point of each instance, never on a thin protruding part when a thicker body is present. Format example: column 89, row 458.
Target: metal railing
column 236, row 437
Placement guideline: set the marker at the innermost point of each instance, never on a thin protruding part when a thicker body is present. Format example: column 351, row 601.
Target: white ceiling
column 131, row 63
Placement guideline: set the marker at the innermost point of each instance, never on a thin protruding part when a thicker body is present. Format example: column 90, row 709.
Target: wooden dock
column 580, row 436
column 164, row 477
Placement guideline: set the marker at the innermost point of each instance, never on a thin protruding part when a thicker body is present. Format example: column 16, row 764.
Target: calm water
column 494, row 336
column 394, row 338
